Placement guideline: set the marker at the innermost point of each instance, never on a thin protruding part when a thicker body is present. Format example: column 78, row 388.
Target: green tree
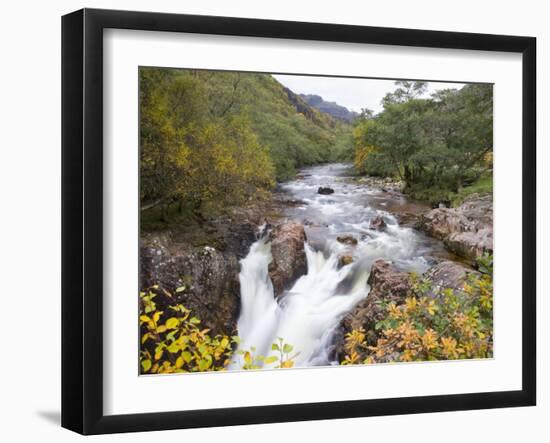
column 437, row 145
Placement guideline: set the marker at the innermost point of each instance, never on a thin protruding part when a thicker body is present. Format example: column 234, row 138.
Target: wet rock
column 408, row 219
column 349, row 240
column 325, row 190
column 345, row 260
column 289, row 258
column 236, row 238
column 385, row 184
column 387, row 284
column 471, row 244
column 202, row 263
column 448, row 274
column 205, row 279
column 466, row 230
column 378, row 223
column 294, row 202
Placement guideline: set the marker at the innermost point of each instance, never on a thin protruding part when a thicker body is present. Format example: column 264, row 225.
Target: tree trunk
column 407, row 174
column 460, row 184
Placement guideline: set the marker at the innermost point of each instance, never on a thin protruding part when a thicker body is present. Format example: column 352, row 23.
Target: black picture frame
column 82, row 220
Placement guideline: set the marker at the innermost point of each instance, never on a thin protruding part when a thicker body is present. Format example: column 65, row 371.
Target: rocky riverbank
column 198, row 265
column 388, row 284
column 466, row 230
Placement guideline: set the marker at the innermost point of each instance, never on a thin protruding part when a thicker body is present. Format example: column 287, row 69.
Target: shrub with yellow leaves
column 249, row 359
column 173, row 342
column 432, row 324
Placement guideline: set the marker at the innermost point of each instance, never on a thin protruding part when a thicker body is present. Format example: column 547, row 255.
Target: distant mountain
column 331, row 108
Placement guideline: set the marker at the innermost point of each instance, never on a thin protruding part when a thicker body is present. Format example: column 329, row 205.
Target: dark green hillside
column 295, row 133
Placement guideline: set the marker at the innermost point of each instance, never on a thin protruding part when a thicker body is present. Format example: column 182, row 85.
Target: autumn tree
column 197, row 146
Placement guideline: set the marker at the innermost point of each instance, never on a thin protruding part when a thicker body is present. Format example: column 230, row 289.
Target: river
column 308, row 314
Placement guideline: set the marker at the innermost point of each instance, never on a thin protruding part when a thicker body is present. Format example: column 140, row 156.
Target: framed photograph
column 269, row 221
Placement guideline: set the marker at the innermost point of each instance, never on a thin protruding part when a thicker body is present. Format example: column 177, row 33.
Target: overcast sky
column 353, row 93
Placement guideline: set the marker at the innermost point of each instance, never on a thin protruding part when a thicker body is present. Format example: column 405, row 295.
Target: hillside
column 331, row 108
column 296, row 133
column 212, row 139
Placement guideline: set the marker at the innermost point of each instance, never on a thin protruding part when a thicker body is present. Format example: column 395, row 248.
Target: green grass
column 482, row 185
column 434, row 194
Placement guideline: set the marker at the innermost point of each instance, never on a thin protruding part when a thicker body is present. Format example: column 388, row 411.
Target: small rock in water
column 345, row 260
column 378, row 224
column 294, row 202
column 325, row 190
column 347, row 240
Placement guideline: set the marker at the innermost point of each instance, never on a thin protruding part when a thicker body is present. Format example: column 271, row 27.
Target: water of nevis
column 314, row 305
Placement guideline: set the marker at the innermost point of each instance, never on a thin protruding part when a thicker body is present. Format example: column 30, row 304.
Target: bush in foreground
column 432, row 324
column 172, row 341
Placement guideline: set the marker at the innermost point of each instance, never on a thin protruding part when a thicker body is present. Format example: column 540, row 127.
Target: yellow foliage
column 361, row 155
column 432, row 324
column 176, row 343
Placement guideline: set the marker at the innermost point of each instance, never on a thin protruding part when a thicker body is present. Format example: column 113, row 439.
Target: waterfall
column 308, row 313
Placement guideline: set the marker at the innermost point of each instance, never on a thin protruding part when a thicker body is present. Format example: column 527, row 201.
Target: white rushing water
column 308, row 314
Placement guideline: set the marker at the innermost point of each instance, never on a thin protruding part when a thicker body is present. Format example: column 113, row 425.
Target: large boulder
column 203, row 279
column 408, row 219
column 289, row 260
column 449, row 274
column 199, row 268
column 466, row 230
column 235, row 238
column 471, row 245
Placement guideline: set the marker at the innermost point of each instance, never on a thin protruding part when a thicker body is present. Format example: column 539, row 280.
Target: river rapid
column 307, row 316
